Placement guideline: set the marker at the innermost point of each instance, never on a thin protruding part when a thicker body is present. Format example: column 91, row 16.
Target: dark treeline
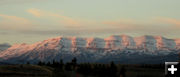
column 92, row 69
column 85, row 69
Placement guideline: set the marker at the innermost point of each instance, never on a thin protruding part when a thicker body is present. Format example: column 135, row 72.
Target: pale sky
column 29, row 21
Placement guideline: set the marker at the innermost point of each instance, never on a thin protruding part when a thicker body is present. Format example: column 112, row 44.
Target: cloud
column 61, row 19
column 156, row 24
column 75, row 27
column 13, row 18
column 35, row 12
column 67, row 20
column 122, row 24
column 150, row 27
column 172, row 21
column 14, row 22
column 99, row 32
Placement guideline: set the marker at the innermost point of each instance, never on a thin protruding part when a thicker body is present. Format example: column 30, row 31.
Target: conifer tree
column 74, row 63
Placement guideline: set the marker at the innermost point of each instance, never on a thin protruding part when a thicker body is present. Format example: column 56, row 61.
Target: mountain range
column 118, row 48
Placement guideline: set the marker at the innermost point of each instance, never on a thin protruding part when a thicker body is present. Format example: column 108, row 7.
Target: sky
column 29, row 21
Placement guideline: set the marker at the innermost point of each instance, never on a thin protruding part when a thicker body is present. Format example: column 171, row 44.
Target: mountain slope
column 4, row 46
column 118, row 48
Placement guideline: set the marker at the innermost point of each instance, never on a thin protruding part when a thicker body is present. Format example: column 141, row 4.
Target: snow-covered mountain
column 118, row 48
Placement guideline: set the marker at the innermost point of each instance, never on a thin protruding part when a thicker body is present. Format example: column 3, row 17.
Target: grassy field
column 24, row 71
column 139, row 71
column 47, row 71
